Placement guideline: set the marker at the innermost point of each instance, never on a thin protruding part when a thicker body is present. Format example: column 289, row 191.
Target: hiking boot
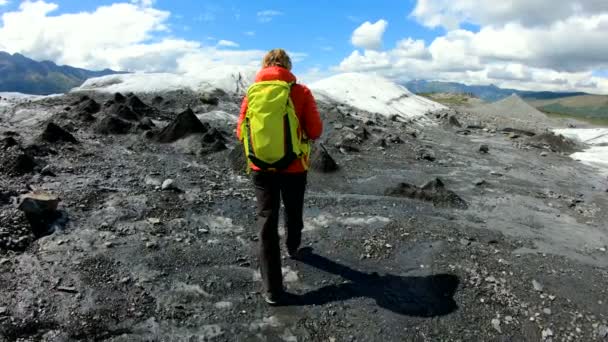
column 271, row 298
column 293, row 253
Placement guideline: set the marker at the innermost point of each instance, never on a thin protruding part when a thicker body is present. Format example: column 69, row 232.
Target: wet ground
column 525, row 261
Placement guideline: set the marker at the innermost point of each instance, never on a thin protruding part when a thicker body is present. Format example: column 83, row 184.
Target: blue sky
column 540, row 44
column 320, row 29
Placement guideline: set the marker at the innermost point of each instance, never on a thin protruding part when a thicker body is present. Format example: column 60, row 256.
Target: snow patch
column 373, row 94
column 289, row 275
column 327, row 220
column 597, row 154
column 230, row 79
column 591, row 136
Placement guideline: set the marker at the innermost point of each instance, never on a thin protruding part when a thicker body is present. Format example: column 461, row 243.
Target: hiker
column 278, row 121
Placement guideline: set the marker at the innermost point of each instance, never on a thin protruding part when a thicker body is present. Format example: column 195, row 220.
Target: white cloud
column 368, row 35
column 227, row 43
column 560, row 50
column 249, row 33
column 3, row 2
column 268, row 15
column 130, row 35
column 451, row 13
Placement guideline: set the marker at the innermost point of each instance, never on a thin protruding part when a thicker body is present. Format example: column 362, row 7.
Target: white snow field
column 368, row 93
column 597, row 138
column 373, row 94
column 231, row 79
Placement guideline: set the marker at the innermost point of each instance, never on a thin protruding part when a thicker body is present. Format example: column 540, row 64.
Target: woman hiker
column 278, row 119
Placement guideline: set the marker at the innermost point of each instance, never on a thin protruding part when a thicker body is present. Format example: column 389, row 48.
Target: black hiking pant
column 269, row 189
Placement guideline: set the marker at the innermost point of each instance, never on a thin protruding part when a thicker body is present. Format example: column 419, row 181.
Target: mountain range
column 24, row 75
column 488, row 93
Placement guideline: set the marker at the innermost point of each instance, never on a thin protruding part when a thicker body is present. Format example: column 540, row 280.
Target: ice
column 597, row 154
column 591, row 136
column 230, row 79
column 373, row 94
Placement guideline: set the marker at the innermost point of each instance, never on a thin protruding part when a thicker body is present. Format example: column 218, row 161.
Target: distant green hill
column 488, row 93
column 593, row 108
column 24, row 75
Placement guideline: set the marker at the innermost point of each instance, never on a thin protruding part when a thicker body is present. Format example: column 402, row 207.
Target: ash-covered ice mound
column 513, row 112
column 56, row 134
column 184, row 125
column 433, row 191
column 16, row 162
column 373, row 94
column 553, row 142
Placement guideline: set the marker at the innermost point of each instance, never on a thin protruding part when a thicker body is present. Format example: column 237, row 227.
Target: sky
column 525, row 44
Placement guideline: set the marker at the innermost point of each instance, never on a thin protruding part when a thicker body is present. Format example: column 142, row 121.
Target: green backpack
column 270, row 131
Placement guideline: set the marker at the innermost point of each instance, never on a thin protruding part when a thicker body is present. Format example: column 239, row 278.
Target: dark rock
column 119, row 98
column 237, row 159
column 138, row 106
column 553, row 142
column 8, row 142
column 81, row 100
column 425, row 154
column 126, row 113
column 210, row 99
column 157, row 100
column 484, row 149
column 39, row 150
column 475, row 127
column 146, row 124
column 16, row 162
column 322, row 161
column 381, row 143
column 518, row 132
column 212, row 136
column 433, row 191
column 480, row 182
column 362, row 133
column 113, row 125
column 55, row 134
column 184, row 125
column 452, row 120
column 394, row 139
column 5, row 196
column 89, row 106
column 41, row 212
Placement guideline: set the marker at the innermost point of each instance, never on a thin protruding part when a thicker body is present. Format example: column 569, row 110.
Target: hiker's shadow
column 412, row 296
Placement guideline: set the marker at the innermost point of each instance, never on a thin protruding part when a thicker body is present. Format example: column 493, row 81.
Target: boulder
column 433, row 191
column 113, row 125
column 41, row 212
column 452, row 120
column 38, row 203
column 322, row 161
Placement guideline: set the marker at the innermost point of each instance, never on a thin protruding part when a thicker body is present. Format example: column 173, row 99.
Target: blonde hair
column 277, row 57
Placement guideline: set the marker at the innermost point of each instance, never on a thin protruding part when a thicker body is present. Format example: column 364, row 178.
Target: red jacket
column 305, row 106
